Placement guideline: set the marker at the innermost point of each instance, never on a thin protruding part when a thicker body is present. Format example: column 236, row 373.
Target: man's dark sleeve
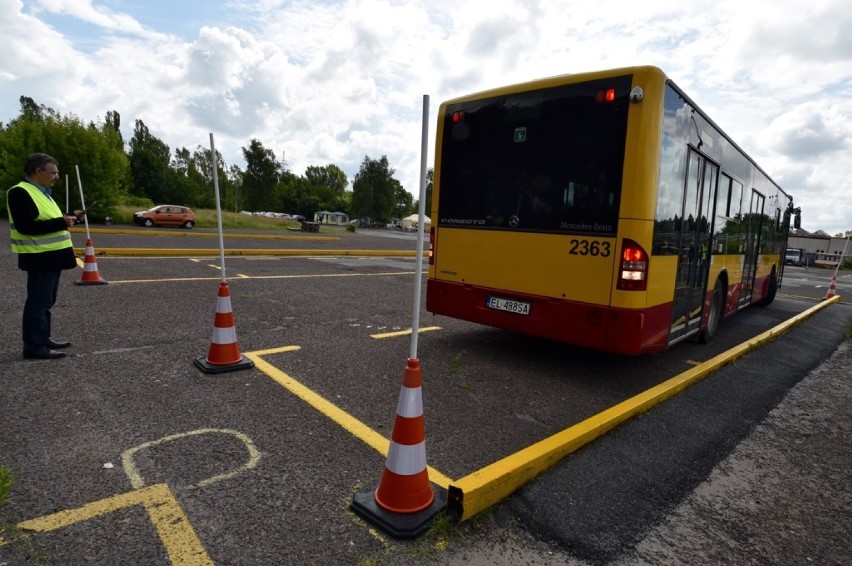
column 23, row 213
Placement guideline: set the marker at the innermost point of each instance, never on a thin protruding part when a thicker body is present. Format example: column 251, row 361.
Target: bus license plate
column 508, row 305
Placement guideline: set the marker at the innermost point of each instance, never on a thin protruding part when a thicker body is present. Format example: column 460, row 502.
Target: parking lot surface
column 125, row 453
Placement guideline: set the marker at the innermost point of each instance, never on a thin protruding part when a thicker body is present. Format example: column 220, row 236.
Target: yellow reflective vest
column 47, row 209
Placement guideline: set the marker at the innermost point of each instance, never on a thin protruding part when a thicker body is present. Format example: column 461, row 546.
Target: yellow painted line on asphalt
column 349, row 423
column 484, row 488
column 179, row 539
column 187, row 252
column 187, row 234
column 135, row 477
column 403, row 332
column 311, row 276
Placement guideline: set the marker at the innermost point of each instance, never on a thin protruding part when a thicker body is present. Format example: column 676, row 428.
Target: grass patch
column 206, row 218
column 9, row 533
column 428, row 548
column 6, row 482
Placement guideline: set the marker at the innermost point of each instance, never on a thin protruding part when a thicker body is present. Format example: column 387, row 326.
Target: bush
column 350, row 228
column 142, row 203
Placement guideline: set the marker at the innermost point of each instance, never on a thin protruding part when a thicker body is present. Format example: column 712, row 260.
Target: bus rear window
column 548, row 160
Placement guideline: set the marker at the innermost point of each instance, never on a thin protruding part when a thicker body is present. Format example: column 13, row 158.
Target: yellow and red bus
column 601, row 209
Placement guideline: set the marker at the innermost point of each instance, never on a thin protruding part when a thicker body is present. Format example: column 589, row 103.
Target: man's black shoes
column 57, row 344
column 43, row 353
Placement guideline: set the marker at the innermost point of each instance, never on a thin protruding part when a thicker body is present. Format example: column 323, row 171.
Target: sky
column 332, row 82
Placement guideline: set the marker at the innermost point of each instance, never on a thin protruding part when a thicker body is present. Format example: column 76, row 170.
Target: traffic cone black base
column 398, row 525
column 202, row 364
column 224, row 354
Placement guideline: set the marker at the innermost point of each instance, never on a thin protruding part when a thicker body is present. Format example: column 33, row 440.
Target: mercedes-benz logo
column 514, row 221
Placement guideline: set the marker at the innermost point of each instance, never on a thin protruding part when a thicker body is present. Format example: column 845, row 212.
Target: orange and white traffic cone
column 224, row 353
column 405, row 501
column 90, row 268
column 832, row 288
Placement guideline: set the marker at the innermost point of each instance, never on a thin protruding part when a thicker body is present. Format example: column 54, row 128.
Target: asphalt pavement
column 782, row 494
column 750, row 465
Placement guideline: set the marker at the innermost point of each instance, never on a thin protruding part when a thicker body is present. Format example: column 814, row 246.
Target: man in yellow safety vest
column 41, row 239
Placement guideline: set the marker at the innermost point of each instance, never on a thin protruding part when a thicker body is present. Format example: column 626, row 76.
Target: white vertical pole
column 83, row 202
column 218, row 206
column 846, row 243
column 418, row 271
column 67, row 191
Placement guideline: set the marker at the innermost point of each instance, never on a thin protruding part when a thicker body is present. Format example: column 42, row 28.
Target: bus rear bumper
column 623, row 331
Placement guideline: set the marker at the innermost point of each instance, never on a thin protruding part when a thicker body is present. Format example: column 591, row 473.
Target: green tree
column 93, row 150
column 260, row 177
column 112, row 128
column 374, row 190
column 329, row 184
column 203, row 159
column 149, row 165
column 235, row 181
column 430, row 173
column 330, row 177
column 403, row 202
column 188, row 185
column 295, row 195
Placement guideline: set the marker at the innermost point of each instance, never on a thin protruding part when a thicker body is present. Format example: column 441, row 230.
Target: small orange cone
column 90, row 268
column 224, row 354
column 832, row 288
column 405, row 501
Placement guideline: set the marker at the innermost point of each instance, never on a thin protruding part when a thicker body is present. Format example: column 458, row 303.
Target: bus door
column 694, row 237
column 752, row 245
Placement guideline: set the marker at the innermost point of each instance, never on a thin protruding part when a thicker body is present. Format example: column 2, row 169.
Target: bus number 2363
column 590, row 247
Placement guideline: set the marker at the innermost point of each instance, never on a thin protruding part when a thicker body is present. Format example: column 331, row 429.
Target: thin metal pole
column 843, row 253
column 418, row 271
column 218, row 206
column 82, row 201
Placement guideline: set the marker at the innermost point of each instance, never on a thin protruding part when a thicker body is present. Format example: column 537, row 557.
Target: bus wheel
column 772, row 288
column 715, row 316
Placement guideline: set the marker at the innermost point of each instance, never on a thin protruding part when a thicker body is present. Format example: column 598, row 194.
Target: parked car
column 166, row 215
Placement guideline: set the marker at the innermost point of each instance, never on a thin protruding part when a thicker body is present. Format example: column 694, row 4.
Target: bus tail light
column 633, row 275
column 432, row 245
column 605, row 96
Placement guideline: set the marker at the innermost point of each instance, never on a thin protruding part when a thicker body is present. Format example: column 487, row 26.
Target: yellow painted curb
column 476, row 492
column 182, row 252
column 187, row 234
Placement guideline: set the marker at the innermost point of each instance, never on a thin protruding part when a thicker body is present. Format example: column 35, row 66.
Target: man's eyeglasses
column 52, row 173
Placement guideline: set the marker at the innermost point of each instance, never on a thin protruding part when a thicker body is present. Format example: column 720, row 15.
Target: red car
column 166, row 215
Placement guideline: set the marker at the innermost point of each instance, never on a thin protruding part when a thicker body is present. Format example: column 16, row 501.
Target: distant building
column 819, row 248
column 335, row 218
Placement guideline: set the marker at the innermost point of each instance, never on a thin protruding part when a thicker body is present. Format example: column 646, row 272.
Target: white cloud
column 810, row 130
column 332, row 81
